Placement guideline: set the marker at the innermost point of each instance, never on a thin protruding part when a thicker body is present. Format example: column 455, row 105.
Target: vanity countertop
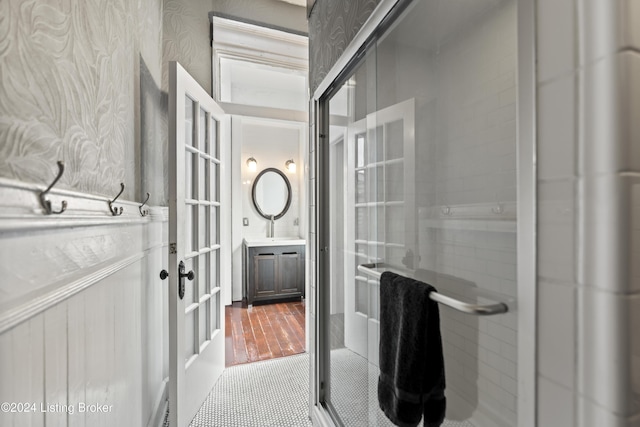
column 274, row 241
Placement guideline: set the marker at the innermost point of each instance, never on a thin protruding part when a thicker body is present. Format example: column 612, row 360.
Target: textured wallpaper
column 69, row 72
column 186, row 39
column 81, row 81
column 332, row 26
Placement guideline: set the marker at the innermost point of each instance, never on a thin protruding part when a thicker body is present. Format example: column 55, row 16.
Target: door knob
column 181, row 276
column 190, row 275
column 163, row 274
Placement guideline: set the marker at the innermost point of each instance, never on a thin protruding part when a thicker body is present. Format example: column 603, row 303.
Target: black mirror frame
column 253, row 193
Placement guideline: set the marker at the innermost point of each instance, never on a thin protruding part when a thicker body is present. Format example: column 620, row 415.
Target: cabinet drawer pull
column 289, row 253
column 266, row 254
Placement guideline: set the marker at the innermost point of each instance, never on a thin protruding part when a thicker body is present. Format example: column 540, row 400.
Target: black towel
column 411, row 381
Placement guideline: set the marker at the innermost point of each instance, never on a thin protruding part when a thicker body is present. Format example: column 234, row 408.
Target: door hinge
column 173, row 248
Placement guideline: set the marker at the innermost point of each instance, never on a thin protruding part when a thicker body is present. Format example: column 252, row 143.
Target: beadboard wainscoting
column 82, row 311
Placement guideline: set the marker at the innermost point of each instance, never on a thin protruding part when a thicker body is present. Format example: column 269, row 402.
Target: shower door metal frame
column 383, row 15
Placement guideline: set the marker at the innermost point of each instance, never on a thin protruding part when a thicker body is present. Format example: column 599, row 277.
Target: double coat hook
column 46, row 204
column 116, row 211
column 144, row 212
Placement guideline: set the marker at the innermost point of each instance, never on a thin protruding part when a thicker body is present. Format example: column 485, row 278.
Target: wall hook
column 46, row 204
column 116, row 211
column 144, row 212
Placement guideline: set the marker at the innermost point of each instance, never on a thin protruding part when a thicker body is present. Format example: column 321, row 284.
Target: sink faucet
column 272, row 227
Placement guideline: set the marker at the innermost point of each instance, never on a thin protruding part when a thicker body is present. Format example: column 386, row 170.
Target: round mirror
column 271, row 193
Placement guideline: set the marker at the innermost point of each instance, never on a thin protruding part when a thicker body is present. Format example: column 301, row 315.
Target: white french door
column 381, row 222
column 197, row 243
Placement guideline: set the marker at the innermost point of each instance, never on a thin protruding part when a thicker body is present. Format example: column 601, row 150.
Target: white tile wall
column 591, row 414
column 557, row 350
column 555, row 404
column 557, row 119
column 556, row 234
column 611, row 102
column 609, row 27
column 588, row 159
column 610, row 225
column 609, row 351
column 555, row 39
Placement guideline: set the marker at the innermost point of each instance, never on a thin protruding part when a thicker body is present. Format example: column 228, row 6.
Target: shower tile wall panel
column 588, row 216
column 480, row 352
column 613, row 27
column 475, row 144
column 465, row 142
column 611, row 103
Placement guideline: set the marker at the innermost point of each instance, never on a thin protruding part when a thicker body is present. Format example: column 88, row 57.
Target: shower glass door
column 423, row 180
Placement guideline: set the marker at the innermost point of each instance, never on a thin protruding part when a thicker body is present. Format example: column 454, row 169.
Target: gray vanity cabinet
column 274, row 273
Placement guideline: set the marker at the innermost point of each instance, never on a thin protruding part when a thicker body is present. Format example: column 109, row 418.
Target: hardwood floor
column 263, row 332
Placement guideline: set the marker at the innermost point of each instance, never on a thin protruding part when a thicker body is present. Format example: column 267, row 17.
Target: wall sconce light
column 291, row 166
column 252, row 164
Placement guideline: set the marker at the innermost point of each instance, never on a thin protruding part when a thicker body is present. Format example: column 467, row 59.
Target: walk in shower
column 418, row 170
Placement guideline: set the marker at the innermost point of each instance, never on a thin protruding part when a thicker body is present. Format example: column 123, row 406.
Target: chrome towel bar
column 477, row 309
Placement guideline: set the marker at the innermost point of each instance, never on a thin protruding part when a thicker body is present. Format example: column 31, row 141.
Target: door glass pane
column 188, row 228
column 430, row 161
column 360, row 187
column 203, row 282
column 203, row 324
column 214, row 225
column 203, row 130
column 394, row 140
column 189, row 335
column 206, row 230
column 202, row 227
column 215, row 312
column 213, row 181
column 394, row 182
column 360, row 151
column 188, row 175
column 207, row 181
column 202, row 178
column 214, row 273
column 214, row 150
column 188, row 121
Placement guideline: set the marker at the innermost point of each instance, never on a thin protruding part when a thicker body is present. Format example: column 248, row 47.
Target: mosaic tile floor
column 269, row 393
column 274, row 393
column 355, row 392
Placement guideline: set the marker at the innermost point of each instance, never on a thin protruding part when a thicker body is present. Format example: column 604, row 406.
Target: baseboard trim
column 160, row 406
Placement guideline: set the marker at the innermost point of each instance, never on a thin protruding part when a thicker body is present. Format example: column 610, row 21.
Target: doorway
column 265, row 330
